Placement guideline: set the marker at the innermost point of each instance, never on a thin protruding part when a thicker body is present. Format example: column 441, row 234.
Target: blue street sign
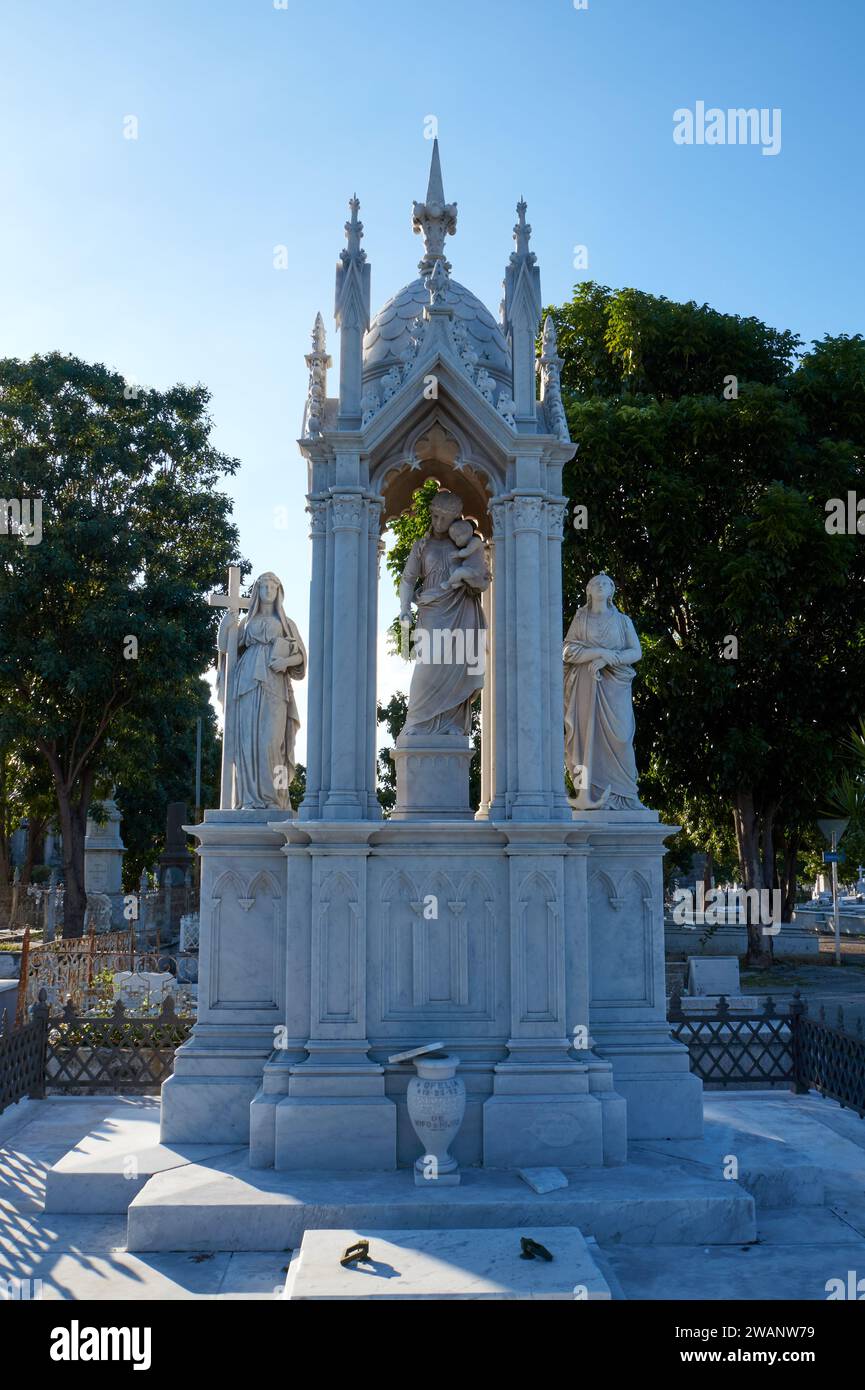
column 834, row 856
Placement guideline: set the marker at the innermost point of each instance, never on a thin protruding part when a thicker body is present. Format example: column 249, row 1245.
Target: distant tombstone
column 103, row 861
column 135, row 988
column 98, row 913
column 175, row 858
column 189, row 931
column 713, row 975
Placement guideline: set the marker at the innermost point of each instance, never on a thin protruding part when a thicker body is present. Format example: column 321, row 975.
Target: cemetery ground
column 802, row 1158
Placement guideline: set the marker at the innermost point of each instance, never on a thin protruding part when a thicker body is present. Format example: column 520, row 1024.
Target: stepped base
column 226, row 1205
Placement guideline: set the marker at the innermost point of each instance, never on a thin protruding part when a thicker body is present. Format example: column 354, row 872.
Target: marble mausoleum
column 525, row 937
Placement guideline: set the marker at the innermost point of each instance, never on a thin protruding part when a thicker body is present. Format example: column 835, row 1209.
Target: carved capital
column 374, row 507
column 317, row 508
column 556, row 513
column 347, row 511
column 527, row 513
column 497, row 516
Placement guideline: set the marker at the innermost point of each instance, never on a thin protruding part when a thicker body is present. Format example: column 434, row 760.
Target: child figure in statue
column 470, row 550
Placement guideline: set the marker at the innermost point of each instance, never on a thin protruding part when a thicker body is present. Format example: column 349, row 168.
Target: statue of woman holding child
column 449, row 564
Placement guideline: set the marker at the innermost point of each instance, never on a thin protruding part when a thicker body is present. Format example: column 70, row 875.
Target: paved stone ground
column 84, row 1257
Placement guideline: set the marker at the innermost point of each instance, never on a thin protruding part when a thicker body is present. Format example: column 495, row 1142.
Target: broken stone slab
column 543, row 1180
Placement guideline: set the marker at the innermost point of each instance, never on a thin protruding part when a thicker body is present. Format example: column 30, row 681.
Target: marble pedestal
column 534, row 952
column 242, row 985
column 432, row 778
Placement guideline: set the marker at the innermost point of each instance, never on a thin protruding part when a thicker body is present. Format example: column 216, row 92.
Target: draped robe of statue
column 599, row 711
column 441, row 693
column 266, row 719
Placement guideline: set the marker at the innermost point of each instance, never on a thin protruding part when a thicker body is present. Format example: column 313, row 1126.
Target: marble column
column 343, row 794
column 318, row 509
column 530, row 801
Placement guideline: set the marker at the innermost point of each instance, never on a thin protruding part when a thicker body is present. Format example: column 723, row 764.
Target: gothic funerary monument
column 541, row 965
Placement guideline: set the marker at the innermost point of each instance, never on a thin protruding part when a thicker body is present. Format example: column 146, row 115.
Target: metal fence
column 22, row 1059
column 775, row 1047
column 67, row 1052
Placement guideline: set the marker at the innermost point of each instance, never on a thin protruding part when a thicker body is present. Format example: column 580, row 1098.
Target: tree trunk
column 73, row 828
column 35, row 841
column 751, row 832
column 708, row 872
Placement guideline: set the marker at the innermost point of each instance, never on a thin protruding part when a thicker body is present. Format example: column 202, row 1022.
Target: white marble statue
column 599, row 654
column 270, row 656
column 442, row 691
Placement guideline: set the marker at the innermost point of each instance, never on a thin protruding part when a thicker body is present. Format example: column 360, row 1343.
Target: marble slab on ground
column 108, row 1167
column 543, row 1179
column 446, row 1266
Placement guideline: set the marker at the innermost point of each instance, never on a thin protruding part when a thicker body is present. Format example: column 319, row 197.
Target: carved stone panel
column 620, row 914
column 438, row 947
column 245, row 941
column 338, row 949
column 538, row 950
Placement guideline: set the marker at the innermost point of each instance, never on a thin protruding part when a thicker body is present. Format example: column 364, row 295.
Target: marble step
column 224, row 1204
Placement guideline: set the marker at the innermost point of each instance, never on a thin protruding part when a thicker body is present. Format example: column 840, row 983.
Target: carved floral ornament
column 347, row 511
column 528, row 514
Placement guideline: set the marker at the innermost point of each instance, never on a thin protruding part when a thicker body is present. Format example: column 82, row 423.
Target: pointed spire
column 522, row 313
column 318, row 362
column 550, row 341
column 353, row 234
column 351, row 311
column 435, row 192
column 319, row 336
column 435, row 218
column 522, row 232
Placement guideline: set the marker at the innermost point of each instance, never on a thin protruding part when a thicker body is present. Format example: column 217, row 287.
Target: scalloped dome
column 388, row 334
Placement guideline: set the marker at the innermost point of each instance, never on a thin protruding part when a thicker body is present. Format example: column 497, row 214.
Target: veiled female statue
column 599, row 654
column 270, row 656
column 449, row 668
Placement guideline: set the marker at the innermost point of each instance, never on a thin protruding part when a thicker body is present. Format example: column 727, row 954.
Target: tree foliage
column 105, row 634
column 706, row 456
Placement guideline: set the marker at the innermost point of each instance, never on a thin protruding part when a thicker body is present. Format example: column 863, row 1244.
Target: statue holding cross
column 260, row 655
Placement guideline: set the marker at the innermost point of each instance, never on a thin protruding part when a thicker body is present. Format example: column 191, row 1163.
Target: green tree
column 103, row 621
column 706, row 457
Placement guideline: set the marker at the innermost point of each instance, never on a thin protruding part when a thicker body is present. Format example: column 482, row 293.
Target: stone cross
column 235, row 603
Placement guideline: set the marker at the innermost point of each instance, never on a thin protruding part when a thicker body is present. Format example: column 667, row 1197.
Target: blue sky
column 257, row 123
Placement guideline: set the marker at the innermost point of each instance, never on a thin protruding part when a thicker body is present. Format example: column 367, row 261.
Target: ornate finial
column 437, row 282
column 353, row 233
column 522, row 232
column 435, row 218
column 318, row 363
column 550, row 368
